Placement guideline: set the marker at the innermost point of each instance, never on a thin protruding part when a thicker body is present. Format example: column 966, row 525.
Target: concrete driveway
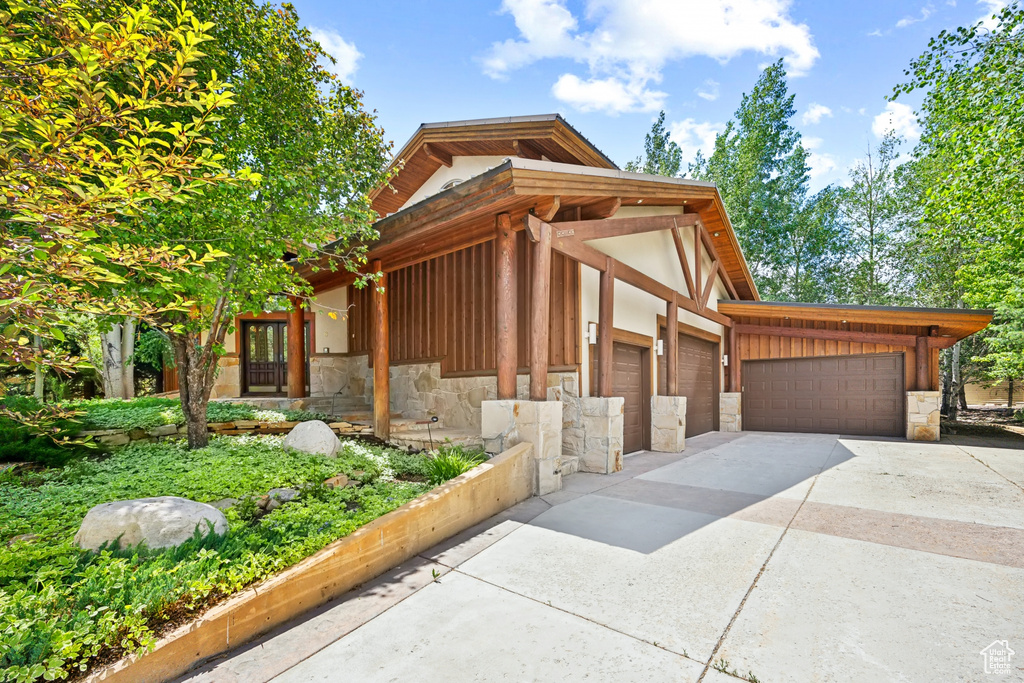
column 767, row 557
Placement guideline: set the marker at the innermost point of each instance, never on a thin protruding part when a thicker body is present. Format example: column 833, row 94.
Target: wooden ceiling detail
column 603, row 209
column 526, row 150
column 435, row 153
column 547, row 207
column 616, row 227
column 549, row 137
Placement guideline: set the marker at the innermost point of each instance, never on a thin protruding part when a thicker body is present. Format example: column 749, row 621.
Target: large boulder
column 163, row 522
column 313, row 436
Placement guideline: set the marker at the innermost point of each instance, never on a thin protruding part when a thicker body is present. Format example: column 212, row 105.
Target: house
column 1004, row 393
column 520, row 264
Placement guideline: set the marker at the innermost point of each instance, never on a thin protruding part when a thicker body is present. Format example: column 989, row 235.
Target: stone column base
column 504, row 424
column 668, row 424
column 730, row 404
column 601, row 419
column 923, row 415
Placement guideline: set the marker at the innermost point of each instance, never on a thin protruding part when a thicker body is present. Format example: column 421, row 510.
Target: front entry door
column 265, row 361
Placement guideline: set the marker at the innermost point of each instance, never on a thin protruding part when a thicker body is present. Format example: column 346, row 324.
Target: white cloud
column 992, row 7
column 821, row 164
column 877, row 33
column 631, row 41
column 812, row 143
column 897, row 117
column 709, row 91
column 609, row 95
column 692, row 136
column 815, row 113
column 926, row 12
column 346, row 56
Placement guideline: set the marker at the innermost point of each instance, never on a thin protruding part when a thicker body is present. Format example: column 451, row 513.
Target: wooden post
column 922, row 363
column 296, row 350
column 381, row 356
column 540, row 304
column 734, row 360
column 506, row 313
column 605, row 330
column 672, row 348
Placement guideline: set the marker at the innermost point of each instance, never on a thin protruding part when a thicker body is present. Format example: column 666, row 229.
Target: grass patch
column 62, row 610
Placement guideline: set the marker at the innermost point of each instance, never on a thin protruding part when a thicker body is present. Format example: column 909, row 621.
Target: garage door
column 698, row 363
column 628, row 381
column 832, row 395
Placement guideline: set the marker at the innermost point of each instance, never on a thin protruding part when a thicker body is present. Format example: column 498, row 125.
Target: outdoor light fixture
column 661, row 347
column 725, row 360
column 326, row 350
column 592, row 333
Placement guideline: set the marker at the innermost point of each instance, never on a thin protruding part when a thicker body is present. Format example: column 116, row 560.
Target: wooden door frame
column 648, row 361
column 243, row 354
column 716, row 375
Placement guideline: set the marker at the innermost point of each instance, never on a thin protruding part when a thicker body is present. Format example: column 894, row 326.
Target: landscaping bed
column 64, row 610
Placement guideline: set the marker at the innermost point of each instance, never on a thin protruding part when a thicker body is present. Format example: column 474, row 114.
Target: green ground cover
column 63, row 610
column 146, row 413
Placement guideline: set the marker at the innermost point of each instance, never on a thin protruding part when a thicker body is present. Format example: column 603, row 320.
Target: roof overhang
column 464, row 215
column 949, row 323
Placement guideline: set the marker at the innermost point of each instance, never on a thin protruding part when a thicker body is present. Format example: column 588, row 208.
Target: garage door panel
column 697, row 377
column 837, row 394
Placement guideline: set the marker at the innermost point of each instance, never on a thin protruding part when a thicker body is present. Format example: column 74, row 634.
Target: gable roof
column 547, row 135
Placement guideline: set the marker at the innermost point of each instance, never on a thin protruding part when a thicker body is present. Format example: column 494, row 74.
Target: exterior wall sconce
column 592, row 333
column 327, row 350
column 661, row 347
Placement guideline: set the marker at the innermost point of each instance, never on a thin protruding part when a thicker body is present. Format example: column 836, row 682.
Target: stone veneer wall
column 668, row 424
column 508, row 423
column 418, row 391
column 730, row 405
column 923, row 415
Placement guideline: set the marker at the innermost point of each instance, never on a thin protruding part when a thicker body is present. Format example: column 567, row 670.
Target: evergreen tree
column 661, row 155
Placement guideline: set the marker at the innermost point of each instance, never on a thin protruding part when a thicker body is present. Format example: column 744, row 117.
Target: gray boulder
column 163, row 522
column 313, row 436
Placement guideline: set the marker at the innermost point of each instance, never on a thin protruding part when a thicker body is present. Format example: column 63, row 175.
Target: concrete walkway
column 766, row 557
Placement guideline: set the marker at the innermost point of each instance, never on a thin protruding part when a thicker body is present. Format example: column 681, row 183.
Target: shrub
column 450, row 461
column 19, row 444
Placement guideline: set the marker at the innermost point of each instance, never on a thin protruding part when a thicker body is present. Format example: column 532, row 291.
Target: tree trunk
column 118, row 346
column 1009, row 394
column 955, row 383
column 39, row 387
column 195, row 383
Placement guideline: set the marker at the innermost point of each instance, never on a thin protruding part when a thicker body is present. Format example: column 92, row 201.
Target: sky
column 609, row 66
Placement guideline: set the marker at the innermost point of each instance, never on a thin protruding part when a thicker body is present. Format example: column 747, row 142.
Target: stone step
column 408, row 424
column 570, row 464
column 420, row 440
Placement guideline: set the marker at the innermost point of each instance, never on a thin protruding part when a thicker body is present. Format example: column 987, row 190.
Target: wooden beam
column 381, row 355
column 697, row 259
column 603, row 209
column 734, row 360
column 728, row 281
column 296, row 350
column 605, row 329
column 437, row 154
column 506, row 307
column 908, row 340
column 526, row 150
column 540, row 305
column 709, row 285
column 547, row 207
column 921, row 362
column 671, row 348
column 614, row 227
column 684, row 264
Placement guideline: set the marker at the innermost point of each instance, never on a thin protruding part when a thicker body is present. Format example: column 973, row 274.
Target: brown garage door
column 698, row 363
column 829, row 394
column 630, row 381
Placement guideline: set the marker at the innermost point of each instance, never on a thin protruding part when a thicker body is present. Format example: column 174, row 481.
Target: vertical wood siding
column 444, row 308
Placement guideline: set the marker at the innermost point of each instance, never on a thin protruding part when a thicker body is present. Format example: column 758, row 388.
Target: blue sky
column 608, row 66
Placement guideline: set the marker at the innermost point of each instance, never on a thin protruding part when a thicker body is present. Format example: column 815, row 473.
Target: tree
column 83, row 149
column 879, row 211
column 318, row 154
column 760, row 168
column 661, row 155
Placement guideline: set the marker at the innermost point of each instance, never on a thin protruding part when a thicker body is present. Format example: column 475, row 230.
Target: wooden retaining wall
column 503, row 481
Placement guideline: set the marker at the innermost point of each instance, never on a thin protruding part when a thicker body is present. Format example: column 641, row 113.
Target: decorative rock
column 246, row 424
column 224, row 503
column 136, row 434
column 340, row 425
column 338, row 482
column 313, row 436
column 163, row 522
column 22, row 538
column 115, row 440
column 164, row 430
column 284, row 495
